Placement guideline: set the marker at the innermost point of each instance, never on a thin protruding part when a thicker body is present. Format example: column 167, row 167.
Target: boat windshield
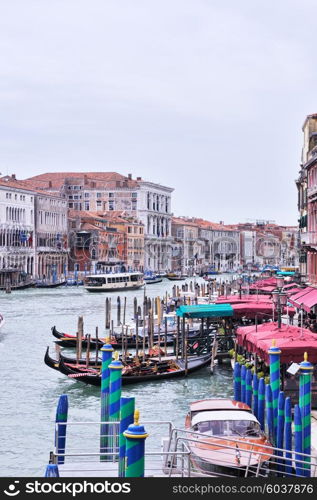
column 229, row 428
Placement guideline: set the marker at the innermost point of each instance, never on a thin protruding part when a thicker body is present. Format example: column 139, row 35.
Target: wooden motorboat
column 175, row 277
column 152, row 369
column 227, row 438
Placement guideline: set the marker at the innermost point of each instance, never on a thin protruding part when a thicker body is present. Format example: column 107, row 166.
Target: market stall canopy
column 307, row 297
column 205, row 311
column 235, row 299
column 292, row 340
column 262, row 310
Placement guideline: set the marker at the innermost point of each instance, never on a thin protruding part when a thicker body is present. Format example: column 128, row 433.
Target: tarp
column 205, row 311
column 292, row 340
column 234, row 299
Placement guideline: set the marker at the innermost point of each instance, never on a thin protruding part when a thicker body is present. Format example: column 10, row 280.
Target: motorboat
column 226, row 438
column 151, row 279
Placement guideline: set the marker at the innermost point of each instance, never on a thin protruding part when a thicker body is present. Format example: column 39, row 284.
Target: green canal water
column 30, row 390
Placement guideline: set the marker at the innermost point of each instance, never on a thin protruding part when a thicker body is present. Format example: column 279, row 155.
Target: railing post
column 127, row 407
column 135, row 448
column 61, row 418
column 107, row 351
column 306, row 369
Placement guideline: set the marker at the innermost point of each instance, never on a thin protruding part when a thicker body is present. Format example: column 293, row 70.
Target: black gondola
column 69, row 340
column 45, row 284
column 159, row 370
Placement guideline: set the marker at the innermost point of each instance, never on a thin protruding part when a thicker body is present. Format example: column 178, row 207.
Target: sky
column 205, row 96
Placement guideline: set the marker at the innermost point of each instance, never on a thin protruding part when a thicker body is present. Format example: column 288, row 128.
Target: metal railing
column 179, row 453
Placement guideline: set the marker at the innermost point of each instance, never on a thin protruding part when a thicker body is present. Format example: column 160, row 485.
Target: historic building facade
column 200, row 245
column 33, row 234
column 17, row 225
column 109, row 191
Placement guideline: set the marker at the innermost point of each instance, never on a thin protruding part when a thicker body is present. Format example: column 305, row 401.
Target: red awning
column 263, row 310
column 234, row 299
column 306, row 297
column 292, row 340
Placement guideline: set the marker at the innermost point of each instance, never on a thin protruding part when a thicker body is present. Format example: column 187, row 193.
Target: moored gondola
column 151, row 370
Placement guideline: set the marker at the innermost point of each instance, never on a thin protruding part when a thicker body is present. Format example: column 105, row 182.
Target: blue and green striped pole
column 280, row 429
column 51, row 471
column 243, row 374
column 107, row 351
column 114, row 400
column 261, row 402
column 135, row 447
column 248, row 387
column 61, row 418
column 274, row 353
column 305, row 381
column 288, row 436
column 255, row 394
column 127, row 407
column 237, row 381
column 298, row 441
column 269, row 411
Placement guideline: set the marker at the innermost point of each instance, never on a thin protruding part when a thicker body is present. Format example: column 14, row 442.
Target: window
column 98, row 195
column 111, row 205
column 129, row 229
column 87, row 195
column 98, row 203
column 15, row 196
column 87, row 205
column 70, row 205
column 111, row 195
column 134, row 195
column 70, row 197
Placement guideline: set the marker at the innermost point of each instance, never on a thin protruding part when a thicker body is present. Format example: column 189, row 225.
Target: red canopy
column 234, row 299
column 306, row 297
column 261, row 309
column 292, row 340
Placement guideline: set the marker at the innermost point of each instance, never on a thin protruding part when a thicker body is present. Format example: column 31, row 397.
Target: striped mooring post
column 135, row 447
column 127, row 408
column 243, row 375
column 274, row 353
column 114, row 400
column 52, row 471
column 305, row 381
column 255, row 394
column 107, row 351
column 237, row 381
column 288, row 436
column 280, row 429
column 261, row 403
column 298, row 441
column 61, row 418
column 248, row 387
column 269, row 411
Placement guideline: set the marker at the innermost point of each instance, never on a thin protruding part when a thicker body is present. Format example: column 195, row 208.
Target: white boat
column 227, row 437
column 113, row 282
column 151, row 280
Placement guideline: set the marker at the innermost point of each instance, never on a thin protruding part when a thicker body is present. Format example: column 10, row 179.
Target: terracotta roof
column 8, row 181
column 58, row 179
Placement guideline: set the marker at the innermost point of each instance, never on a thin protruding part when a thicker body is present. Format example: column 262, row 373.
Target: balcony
column 309, row 239
column 312, row 191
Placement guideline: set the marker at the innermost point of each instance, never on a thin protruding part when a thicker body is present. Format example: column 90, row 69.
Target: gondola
column 69, row 340
column 156, row 370
column 45, row 284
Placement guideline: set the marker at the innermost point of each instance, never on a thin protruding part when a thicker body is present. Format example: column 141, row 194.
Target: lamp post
column 279, row 299
column 240, row 281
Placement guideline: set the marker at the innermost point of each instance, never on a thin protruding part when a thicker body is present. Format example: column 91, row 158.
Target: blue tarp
column 205, row 311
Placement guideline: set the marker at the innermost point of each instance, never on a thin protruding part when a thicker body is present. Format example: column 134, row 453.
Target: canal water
column 30, row 390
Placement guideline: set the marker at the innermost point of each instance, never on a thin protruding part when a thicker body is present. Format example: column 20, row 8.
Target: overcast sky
column 206, row 96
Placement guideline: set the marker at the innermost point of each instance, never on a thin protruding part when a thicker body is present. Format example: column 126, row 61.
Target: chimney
column 49, row 184
column 13, row 177
column 139, row 178
column 130, row 177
